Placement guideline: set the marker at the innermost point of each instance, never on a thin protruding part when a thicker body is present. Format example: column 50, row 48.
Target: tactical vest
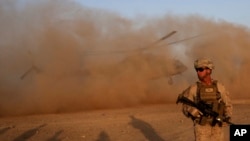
column 211, row 96
column 208, row 94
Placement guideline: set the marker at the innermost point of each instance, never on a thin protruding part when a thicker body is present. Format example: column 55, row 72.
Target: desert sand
column 159, row 122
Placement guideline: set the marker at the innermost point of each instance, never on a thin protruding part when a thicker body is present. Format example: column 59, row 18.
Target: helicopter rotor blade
column 132, row 50
column 166, row 36
column 189, row 38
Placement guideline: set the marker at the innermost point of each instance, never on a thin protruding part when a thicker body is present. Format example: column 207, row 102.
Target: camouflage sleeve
column 190, row 93
column 226, row 99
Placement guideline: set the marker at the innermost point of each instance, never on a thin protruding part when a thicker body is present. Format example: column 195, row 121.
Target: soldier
column 212, row 93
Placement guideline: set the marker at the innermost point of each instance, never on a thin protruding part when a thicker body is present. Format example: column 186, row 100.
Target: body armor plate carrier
column 210, row 95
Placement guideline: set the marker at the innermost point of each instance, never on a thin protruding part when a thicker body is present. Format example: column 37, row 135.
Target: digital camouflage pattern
column 204, row 62
column 206, row 132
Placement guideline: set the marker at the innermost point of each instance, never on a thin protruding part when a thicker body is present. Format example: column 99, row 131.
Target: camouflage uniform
column 206, row 132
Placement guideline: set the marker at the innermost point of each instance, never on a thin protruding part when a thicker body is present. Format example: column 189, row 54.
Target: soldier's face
column 203, row 72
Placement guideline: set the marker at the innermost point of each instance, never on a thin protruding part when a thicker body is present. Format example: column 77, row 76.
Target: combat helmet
column 203, row 62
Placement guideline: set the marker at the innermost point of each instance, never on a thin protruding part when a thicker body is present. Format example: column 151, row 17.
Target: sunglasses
column 201, row 69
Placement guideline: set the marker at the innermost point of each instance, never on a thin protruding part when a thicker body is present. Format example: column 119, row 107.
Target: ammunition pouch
column 219, row 108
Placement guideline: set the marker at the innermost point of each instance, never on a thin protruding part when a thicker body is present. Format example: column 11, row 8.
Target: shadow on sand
column 56, row 136
column 28, row 134
column 4, row 130
column 146, row 129
column 103, row 136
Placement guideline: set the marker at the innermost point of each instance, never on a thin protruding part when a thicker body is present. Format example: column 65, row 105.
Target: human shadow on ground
column 146, row 129
column 56, row 136
column 4, row 130
column 28, row 134
column 103, row 136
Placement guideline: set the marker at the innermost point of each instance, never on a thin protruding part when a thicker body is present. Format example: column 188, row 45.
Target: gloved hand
column 194, row 112
column 227, row 119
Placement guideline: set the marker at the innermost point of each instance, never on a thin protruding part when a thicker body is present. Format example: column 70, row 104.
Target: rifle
column 207, row 110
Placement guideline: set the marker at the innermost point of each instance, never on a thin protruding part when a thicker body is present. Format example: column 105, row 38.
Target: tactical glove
column 227, row 119
column 195, row 113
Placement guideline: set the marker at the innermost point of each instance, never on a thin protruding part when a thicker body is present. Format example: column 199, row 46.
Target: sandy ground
column 163, row 122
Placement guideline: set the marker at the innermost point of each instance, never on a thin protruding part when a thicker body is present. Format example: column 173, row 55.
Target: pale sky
column 234, row 11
